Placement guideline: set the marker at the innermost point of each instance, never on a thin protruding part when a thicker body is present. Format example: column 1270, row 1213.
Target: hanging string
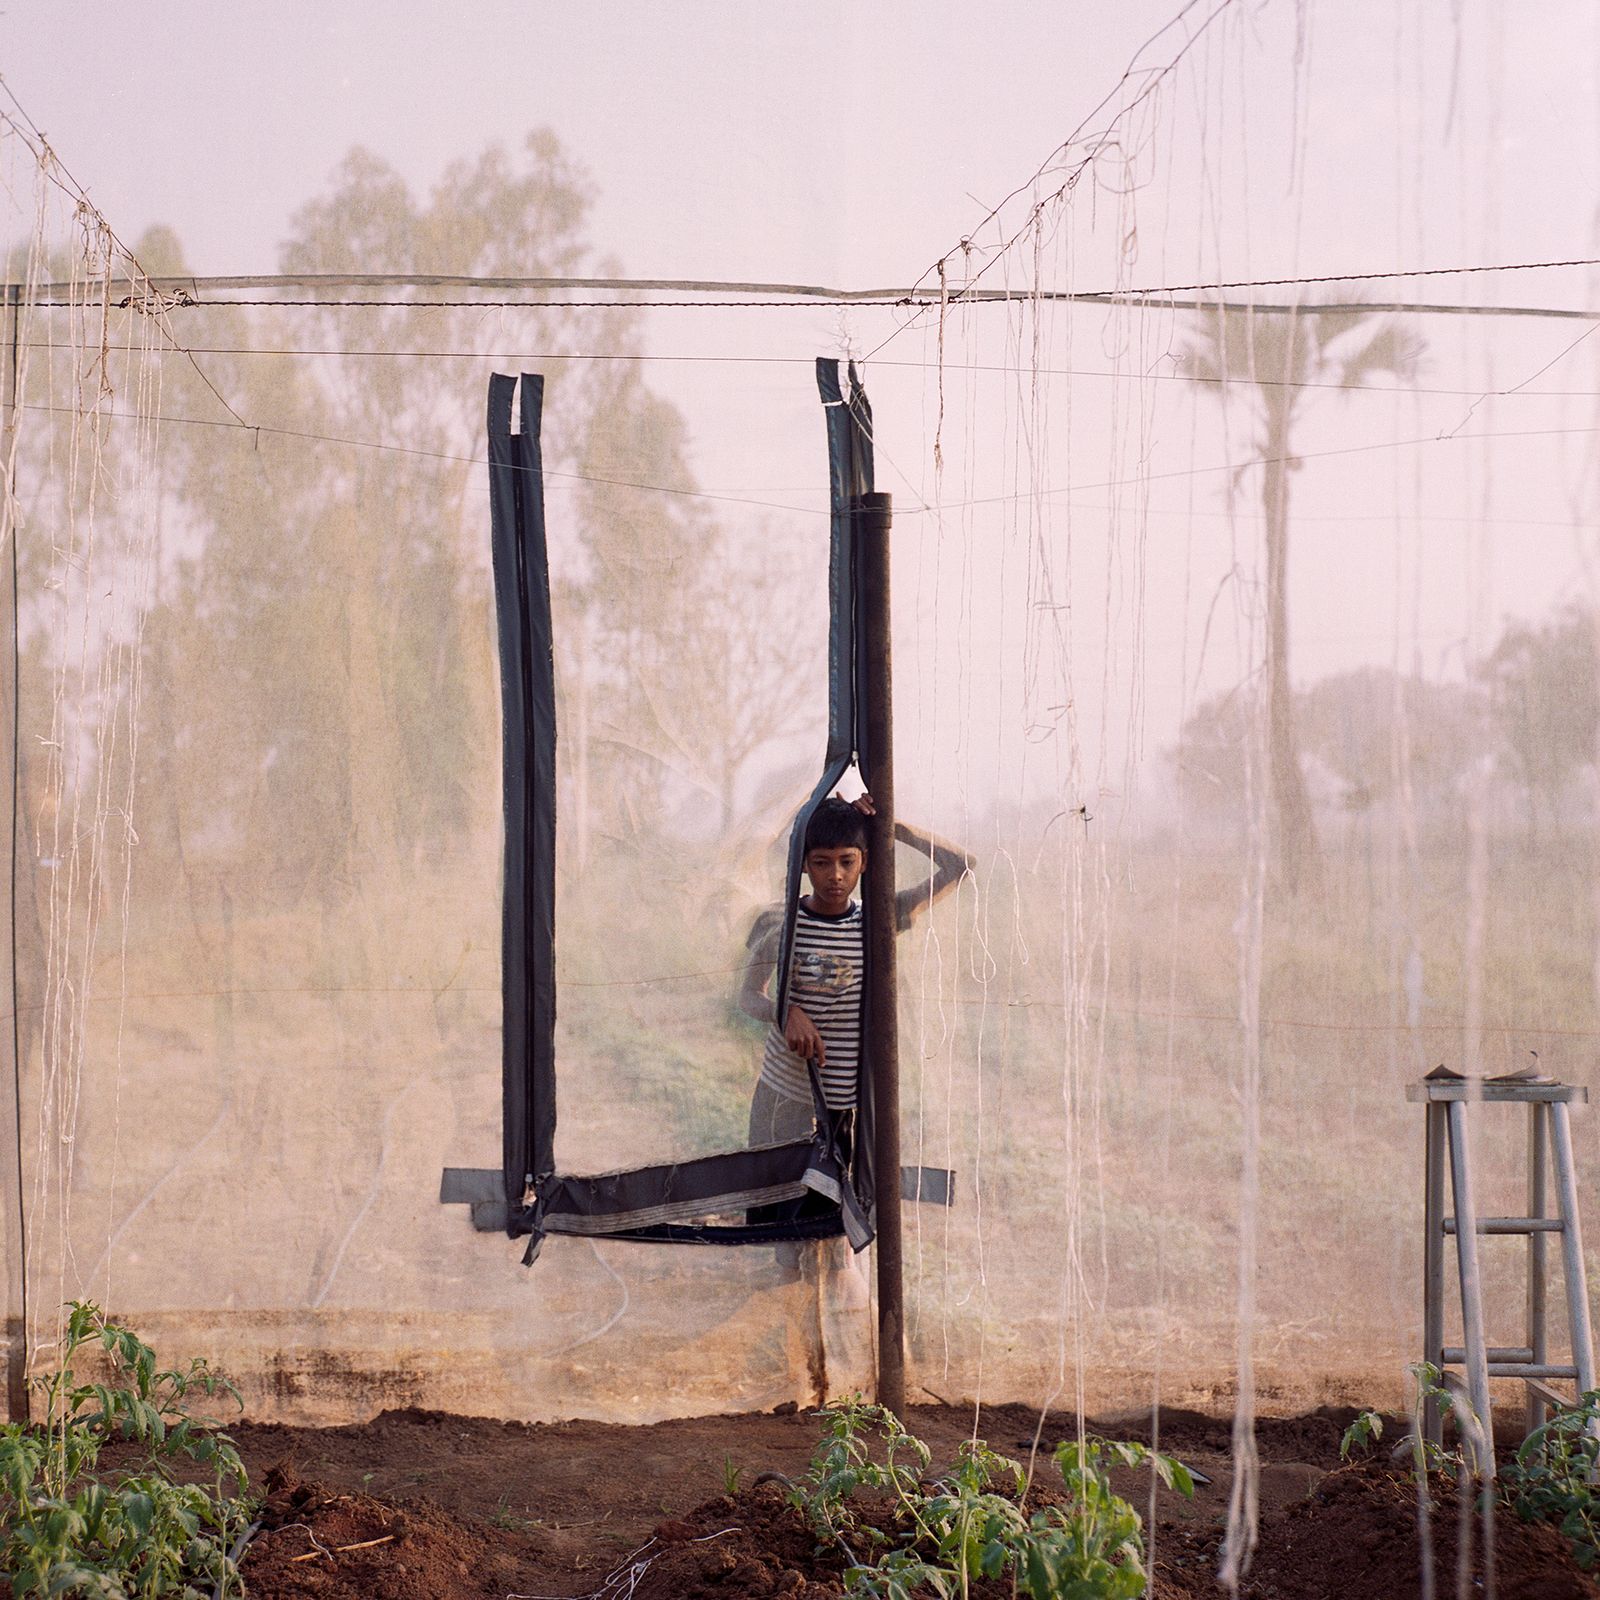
column 99, row 510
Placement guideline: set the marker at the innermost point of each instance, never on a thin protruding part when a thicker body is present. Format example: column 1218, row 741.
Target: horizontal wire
column 1247, row 514
column 1362, row 277
column 1126, row 298
column 501, row 305
column 189, row 289
column 997, row 368
column 795, row 297
column 306, row 435
column 1023, row 1003
column 1265, row 461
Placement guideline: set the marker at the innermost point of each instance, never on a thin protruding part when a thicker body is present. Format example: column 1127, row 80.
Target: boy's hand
column 800, row 1034
column 863, row 804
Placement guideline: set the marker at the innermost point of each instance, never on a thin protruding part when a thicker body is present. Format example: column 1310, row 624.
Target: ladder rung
column 1455, row 1355
column 1530, row 1369
column 1512, row 1224
column 1551, row 1397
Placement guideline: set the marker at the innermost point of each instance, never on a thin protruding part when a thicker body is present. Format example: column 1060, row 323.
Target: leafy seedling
column 970, row 1524
column 133, row 1531
column 1552, row 1477
column 1364, row 1431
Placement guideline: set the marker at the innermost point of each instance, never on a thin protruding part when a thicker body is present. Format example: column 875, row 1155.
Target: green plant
column 1431, row 1389
column 970, row 1524
column 1095, row 1546
column 843, row 1463
column 1552, row 1477
column 958, row 1529
column 730, row 1477
column 1367, row 1428
column 134, row 1531
column 512, row 1521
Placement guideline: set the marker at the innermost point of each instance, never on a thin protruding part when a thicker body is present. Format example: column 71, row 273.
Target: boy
column 823, row 1023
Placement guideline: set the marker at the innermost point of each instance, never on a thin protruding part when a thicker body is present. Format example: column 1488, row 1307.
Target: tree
column 1545, row 706
column 1209, row 758
column 1279, row 357
column 326, row 604
column 324, row 607
column 753, row 670
column 1348, row 722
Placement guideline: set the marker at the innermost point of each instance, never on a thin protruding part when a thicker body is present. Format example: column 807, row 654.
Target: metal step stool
column 1446, row 1095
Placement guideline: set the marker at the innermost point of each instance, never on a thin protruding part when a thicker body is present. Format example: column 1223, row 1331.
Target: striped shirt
column 826, row 983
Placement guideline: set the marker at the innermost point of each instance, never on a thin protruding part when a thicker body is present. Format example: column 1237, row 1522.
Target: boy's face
column 834, row 874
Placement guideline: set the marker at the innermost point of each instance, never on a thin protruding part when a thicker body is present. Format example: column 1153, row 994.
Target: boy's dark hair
column 836, row 825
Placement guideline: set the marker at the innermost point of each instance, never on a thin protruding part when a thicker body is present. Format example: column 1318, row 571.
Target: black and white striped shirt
column 825, row 982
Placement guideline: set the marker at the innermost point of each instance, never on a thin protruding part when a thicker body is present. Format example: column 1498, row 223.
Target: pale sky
column 726, row 140
column 855, row 144
column 845, row 142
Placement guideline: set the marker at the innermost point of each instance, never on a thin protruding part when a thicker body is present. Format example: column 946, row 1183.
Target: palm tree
column 1284, row 359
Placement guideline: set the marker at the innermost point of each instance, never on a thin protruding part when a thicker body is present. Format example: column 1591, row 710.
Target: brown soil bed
column 425, row 1504
column 1356, row 1534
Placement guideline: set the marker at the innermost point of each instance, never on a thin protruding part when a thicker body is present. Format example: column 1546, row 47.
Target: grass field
column 258, row 1178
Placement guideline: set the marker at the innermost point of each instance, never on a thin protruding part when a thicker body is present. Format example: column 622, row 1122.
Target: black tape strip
column 527, row 679
column 821, row 1227
column 932, row 1186
column 849, row 430
column 704, row 1180
column 841, row 567
column 542, row 785
column 464, row 1186
column 504, row 471
column 529, row 1197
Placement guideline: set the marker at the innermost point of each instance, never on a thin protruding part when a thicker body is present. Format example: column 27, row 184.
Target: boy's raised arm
column 950, row 865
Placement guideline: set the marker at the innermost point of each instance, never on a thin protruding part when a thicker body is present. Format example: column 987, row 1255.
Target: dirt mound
column 1312, row 1437
column 422, row 1504
column 315, row 1541
column 754, row 1546
column 1357, row 1534
column 751, row 1544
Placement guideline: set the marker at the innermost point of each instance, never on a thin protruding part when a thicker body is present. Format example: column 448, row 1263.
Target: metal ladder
column 1446, row 1095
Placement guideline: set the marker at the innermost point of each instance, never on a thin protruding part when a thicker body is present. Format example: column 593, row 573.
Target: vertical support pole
column 1433, row 1265
column 1480, row 1449
column 1537, row 1294
column 1572, row 1248
column 883, row 1034
column 15, row 1224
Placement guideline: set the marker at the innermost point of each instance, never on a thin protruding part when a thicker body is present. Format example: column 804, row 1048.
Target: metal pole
column 1480, row 1447
column 16, row 1311
column 1572, row 1248
column 1538, row 1317
column 1433, row 1266
column 883, row 1036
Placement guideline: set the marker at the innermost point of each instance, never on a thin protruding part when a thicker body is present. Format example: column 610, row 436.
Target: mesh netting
column 1250, row 653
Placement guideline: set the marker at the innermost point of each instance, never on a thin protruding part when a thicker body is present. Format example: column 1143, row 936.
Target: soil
column 1357, row 1534
column 420, row 1505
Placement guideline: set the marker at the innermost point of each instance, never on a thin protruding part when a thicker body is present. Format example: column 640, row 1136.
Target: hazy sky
column 725, row 140
column 855, row 144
